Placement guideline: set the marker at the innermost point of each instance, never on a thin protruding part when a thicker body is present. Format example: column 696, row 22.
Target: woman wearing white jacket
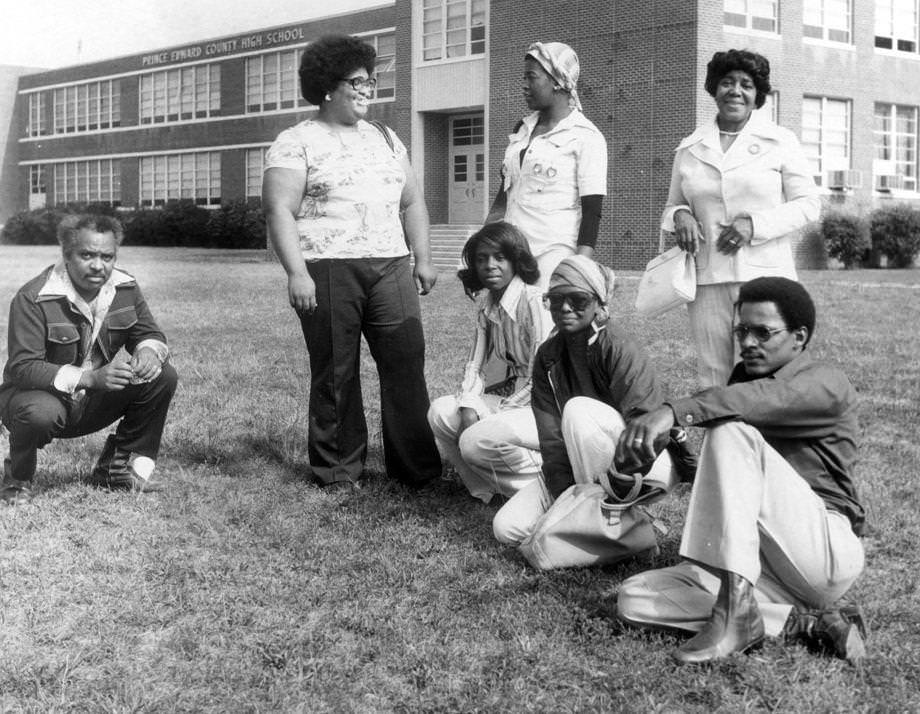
column 740, row 190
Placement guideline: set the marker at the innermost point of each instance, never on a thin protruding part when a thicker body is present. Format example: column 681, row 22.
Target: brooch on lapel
column 754, row 148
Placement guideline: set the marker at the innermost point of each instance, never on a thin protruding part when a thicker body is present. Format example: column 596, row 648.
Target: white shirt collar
column 508, row 302
column 59, row 284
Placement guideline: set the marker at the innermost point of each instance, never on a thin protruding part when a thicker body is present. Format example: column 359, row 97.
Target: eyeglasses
column 359, row 83
column 578, row 301
column 761, row 333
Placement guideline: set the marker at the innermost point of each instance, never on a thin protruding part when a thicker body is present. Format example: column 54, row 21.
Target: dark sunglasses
column 761, row 333
column 579, row 302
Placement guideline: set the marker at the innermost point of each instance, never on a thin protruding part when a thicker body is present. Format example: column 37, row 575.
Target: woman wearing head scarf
column 589, row 380
column 554, row 174
column 740, row 189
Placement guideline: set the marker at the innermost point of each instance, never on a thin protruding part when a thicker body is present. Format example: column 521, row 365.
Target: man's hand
column 111, row 377
column 146, row 365
column 426, row 274
column 302, row 293
column 637, row 442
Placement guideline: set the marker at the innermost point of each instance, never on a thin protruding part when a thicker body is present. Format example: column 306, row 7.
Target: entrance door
column 467, row 169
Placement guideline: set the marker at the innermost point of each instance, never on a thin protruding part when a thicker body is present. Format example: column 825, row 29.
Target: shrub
column 895, row 232
column 846, row 237
column 237, row 224
column 39, row 226
column 178, row 223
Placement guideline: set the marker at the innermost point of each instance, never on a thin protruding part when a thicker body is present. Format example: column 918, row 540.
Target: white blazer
column 763, row 175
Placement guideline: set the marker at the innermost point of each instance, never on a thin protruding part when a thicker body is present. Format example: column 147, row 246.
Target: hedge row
column 891, row 231
column 238, row 224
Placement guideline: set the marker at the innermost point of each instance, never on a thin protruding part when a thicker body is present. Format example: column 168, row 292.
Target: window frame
column 893, row 143
column 435, row 18
column 750, row 19
column 170, row 177
column 825, row 159
column 824, row 10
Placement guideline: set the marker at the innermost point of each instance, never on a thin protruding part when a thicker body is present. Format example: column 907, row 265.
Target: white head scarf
column 561, row 63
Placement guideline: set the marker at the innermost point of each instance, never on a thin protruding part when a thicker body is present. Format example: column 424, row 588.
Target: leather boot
column 14, row 492
column 840, row 632
column 114, row 471
column 734, row 626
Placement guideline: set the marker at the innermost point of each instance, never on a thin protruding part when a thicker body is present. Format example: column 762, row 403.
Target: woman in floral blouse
column 333, row 192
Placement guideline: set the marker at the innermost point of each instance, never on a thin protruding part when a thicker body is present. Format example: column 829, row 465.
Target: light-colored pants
column 591, row 430
column 711, row 320
column 500, row 453
column 548, row 261
column 750, row 513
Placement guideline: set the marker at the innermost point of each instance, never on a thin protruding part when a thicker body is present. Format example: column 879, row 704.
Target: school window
column 38, row 115
column 97, row 181
column 895, row 138
column 752, row 14
column 179, row 94
column 896, row 25
column 255, row 165
column 173, row 177
column 385, row 67
column 453, row 28
column 828, row 19
column 272, row 82
column 38, row 179
column 826, row 135
column 771, row 106
column 86, row 107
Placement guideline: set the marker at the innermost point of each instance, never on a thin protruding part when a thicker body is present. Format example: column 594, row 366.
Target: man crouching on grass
column 771, row 539
column 65, row 376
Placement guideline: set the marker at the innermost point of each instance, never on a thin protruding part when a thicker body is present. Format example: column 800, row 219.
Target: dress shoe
column 734, row 626
column 14, row 492
column 840, row 632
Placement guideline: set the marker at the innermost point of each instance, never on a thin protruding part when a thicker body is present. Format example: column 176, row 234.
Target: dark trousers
column 376, row 298
column 35, row 417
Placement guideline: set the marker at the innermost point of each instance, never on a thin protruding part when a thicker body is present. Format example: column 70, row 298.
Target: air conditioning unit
column 843, row 179
column 888, row 182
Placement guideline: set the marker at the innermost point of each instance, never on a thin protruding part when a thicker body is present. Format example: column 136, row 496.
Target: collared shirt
column 764, row 176
column 806, row 411
column 559, row 167
column 95, row 311
column 354, row 183
column 510, row 330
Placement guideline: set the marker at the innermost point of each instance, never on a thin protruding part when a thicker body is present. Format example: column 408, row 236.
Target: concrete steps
column 447, row 240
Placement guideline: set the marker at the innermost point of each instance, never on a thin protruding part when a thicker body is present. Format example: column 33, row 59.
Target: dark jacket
column 46, row 332
column 806, row 411
column 613, row 369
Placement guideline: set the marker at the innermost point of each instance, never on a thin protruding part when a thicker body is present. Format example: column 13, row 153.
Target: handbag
column 669, row 281
column 583, row 527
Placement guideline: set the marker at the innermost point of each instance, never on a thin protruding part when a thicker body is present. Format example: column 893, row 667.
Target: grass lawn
column 245, row 589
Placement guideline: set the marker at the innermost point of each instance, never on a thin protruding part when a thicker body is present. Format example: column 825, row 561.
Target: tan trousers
column 711, row 316
column 752, row 514
column 591, row 430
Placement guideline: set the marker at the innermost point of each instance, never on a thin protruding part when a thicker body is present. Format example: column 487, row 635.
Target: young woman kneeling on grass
column 491, row 438
column 589, row 381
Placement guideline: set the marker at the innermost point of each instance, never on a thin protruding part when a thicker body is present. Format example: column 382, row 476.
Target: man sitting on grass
column 771, row 539
column 65, row 376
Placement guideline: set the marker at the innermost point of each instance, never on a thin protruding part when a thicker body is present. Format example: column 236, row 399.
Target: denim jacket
column 46, row 332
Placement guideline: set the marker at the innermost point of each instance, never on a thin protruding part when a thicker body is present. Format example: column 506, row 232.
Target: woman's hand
column 302, row 293
column 426, row 274
column 735, row 234
column 468, row 417
column 687, row 231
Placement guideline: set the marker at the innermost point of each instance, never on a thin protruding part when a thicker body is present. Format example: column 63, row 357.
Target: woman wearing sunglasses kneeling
column 589, row 380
